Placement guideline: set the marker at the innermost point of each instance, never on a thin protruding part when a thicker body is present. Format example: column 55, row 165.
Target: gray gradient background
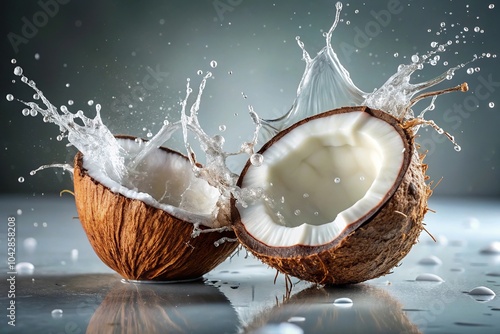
column 107, row 49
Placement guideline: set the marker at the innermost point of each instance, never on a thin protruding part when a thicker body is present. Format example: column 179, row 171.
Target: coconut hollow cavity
column 345, row 195
column 146, row 233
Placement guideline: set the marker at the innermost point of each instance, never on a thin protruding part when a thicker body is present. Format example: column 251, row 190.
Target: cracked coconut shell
column 139, row 241
column 366, row 248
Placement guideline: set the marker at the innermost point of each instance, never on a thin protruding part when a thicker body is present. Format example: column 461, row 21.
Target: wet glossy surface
column 73, row 292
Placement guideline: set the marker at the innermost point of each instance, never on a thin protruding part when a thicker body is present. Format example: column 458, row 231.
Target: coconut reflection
column 164, row 308
column 327, row 310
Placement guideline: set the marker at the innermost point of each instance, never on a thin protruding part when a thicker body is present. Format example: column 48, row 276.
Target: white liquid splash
column 325, row 85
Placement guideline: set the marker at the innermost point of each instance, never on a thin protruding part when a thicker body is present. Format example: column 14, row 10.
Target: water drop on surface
column 431, row 261
column 493, row 248
column 256, row 159
column 429, row 278
column 20, row 179
column 13, row 61
column 90, row 102
column 9, row 97
column 491, row 104
column 25, row 268
column 26, row 112
column 200, row 72
column 343, row 302
column 56, row 313
column 337, row 180
column 491, row 6
column 213, row 64
column 482, row 291
column 222, row 128
column 470, row 70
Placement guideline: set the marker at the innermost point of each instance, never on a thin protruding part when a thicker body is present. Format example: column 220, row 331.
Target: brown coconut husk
column 368, row 248
column 141, row 242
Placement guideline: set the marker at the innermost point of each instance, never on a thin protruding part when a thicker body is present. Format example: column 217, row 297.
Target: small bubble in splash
column 256, row 159
column 200, row 72
column 457, row 148
column 18, row 71
column 70, row 102
column 491, row 6
column 442, row 24
column 415, row 58
column 213, row 64
column 90, row 102
column 13, row 61
column 222, row 128
column 9, row 97
column 396, row 55
column 20, row 179
column 491, row 104
column 25, row 268
column 477, row 29
column 337, row 180
column 470, row 70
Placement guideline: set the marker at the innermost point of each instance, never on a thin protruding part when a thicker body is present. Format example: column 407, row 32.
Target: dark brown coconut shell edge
column 369, row 247
column 139, row 241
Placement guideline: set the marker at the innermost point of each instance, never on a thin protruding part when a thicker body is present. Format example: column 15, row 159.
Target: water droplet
column 37, row 56
column 343, row 302
column 434, row 44
column 431, row 261
column 90, row 102
column 25, row 268
column 149, row 134
column 396, row 55
column 35, row 224
column 297, row 212
column 306, row 195
column 19, row 212
column 466, row 29
column 337, row 180
column 67, row 85
column 442, row 24
column 316, row 213
column 297, row 319
column 361, row 178
column 470, row 70
column 457, row 148
column 493, row 248
column 13, row 61
column 74, row 255
column 356, row 11
column 30, row 244
column 477, row 29
column 491, row 104
column 20, row 179
column 18, row 71
column 256, row 159
column 200, row 72
column 9, row 97
column 213, row 64
column 482, row 290
column 36, row 97
column 415, row 58
column 44, row 224
column 56, row 313
column 429, row 278
column 472, row 223
column 222, row 128
column 70, row 102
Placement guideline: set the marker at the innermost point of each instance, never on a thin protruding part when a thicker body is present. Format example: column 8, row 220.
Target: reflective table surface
column 62, row 287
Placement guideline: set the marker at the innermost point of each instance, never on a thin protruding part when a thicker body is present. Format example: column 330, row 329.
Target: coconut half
column 145, row 233
column 345, row 196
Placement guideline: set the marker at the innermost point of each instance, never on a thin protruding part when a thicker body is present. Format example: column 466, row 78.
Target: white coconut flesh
column 164, row 180
column 322, row 176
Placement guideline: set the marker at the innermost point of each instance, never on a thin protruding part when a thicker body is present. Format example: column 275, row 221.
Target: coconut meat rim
column 164, row 180
column 321, row 177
